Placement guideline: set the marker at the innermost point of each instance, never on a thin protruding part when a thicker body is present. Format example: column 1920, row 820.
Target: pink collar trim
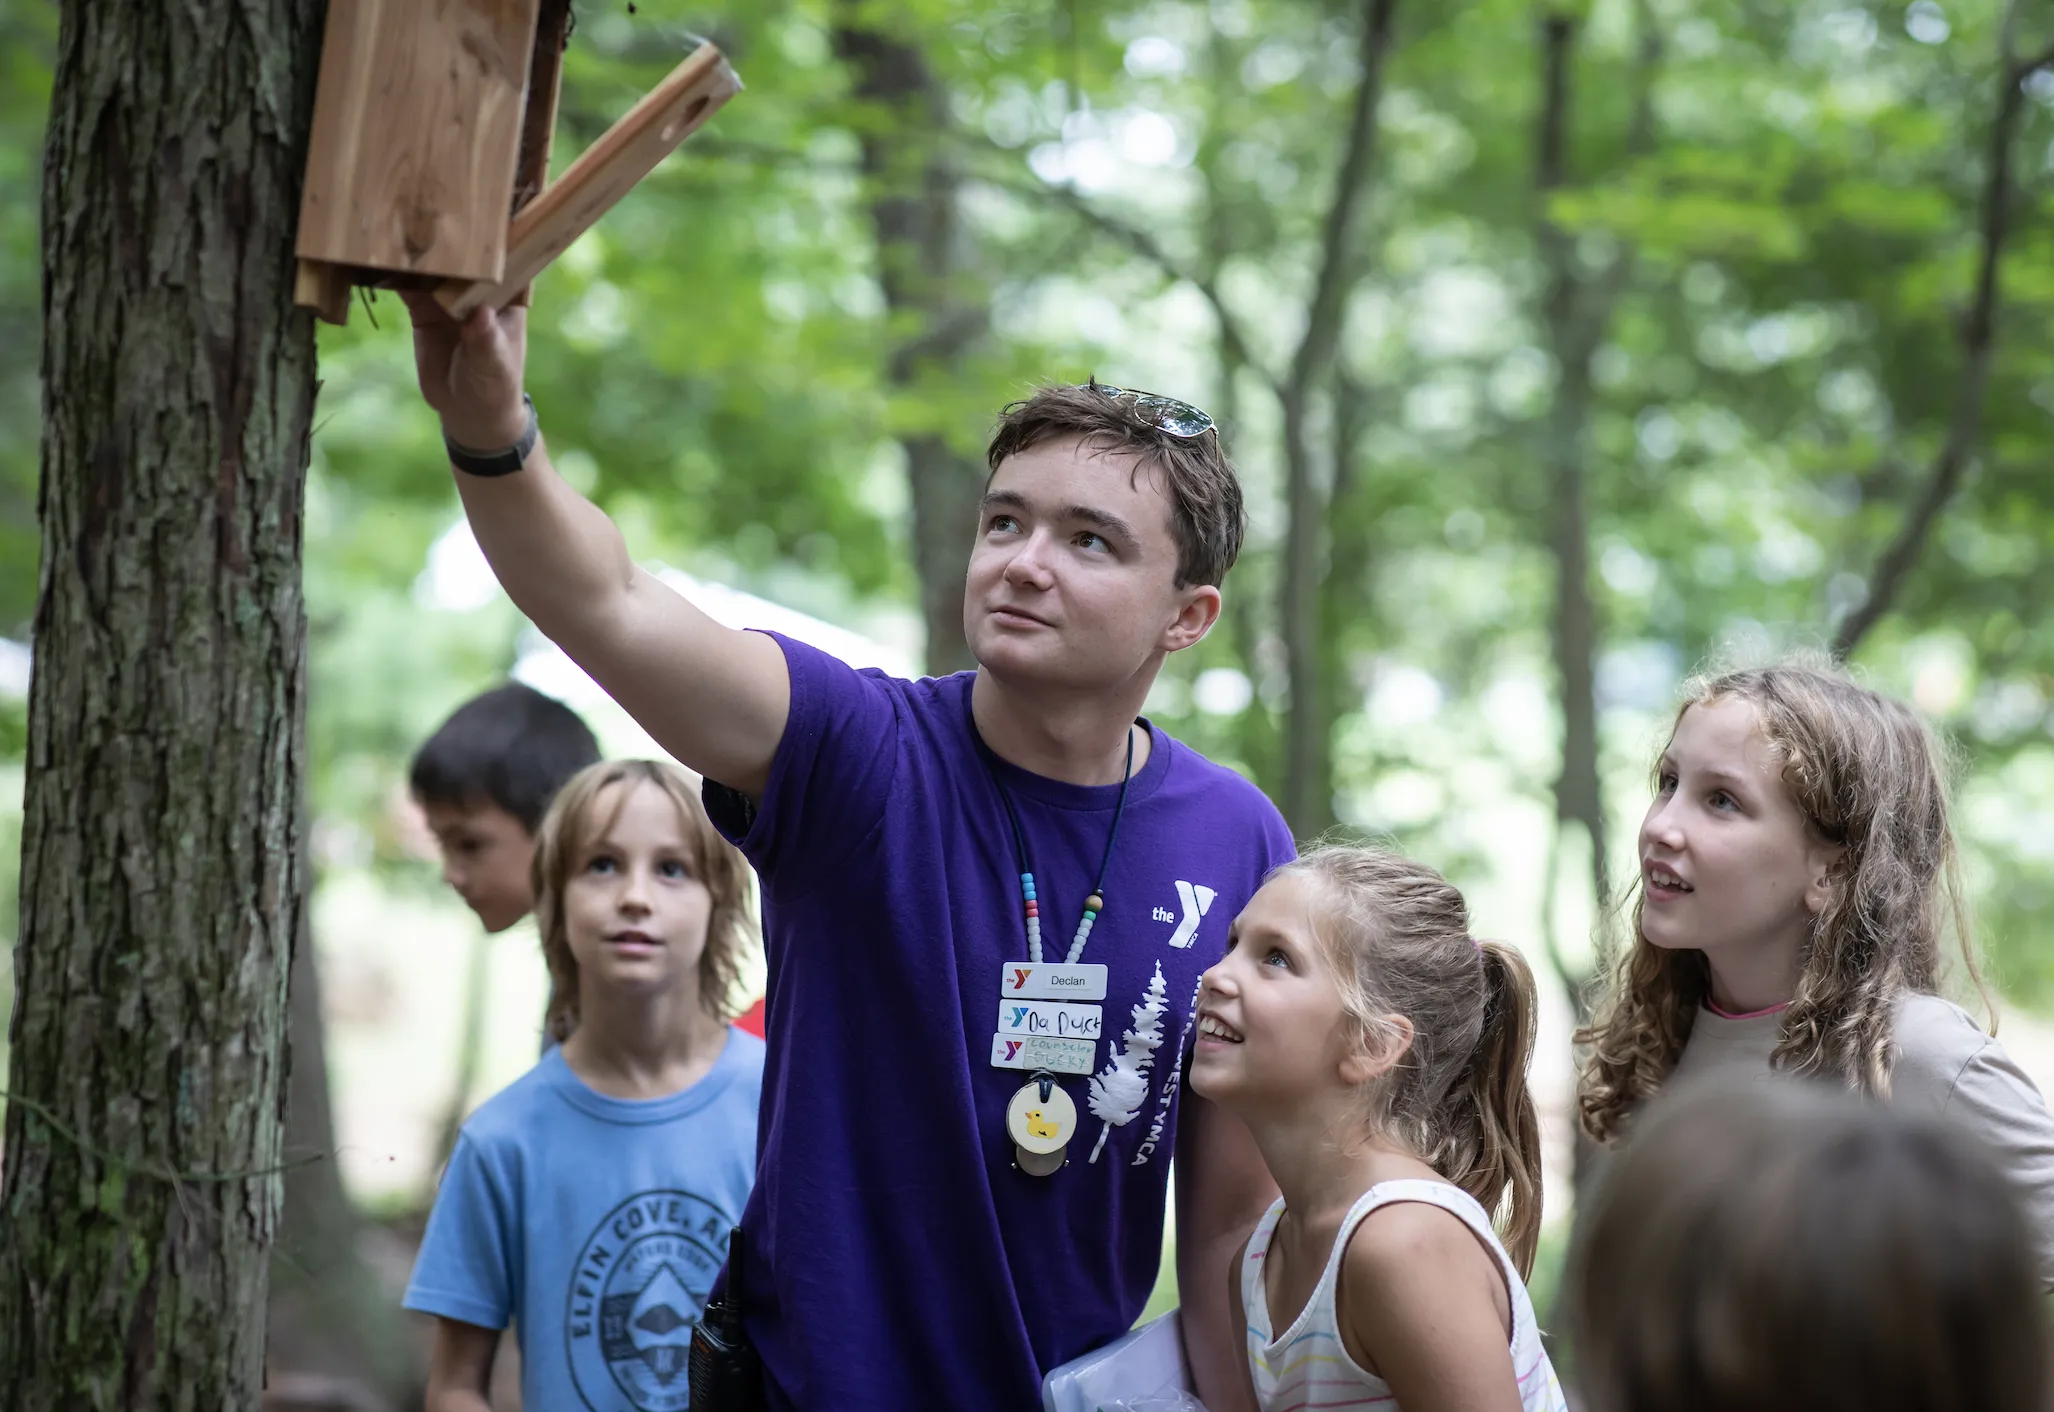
column 1750, row 1015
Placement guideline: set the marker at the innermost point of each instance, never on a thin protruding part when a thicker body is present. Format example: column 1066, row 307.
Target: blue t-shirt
column 595, row 1225
column 896, row 1260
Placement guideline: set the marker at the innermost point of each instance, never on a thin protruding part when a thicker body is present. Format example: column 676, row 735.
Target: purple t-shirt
column 896, row 1259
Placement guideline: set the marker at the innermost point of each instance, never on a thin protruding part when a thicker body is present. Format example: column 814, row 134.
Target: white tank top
column 1307, row 1365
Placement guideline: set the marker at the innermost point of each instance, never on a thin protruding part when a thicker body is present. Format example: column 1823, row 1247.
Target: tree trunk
column 1308, row 802
column 1343, row 592
column 327, row 1315
column 920, row 253
column 470, row 1045
column 161, row 862
column 946, row 489
column 1579, row 796
column 1242, row 622
column 1576, row 310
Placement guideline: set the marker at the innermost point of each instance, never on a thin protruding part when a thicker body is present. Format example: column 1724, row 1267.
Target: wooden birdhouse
column 429, row 161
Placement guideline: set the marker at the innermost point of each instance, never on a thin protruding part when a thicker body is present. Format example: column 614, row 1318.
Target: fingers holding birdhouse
column 471, row 370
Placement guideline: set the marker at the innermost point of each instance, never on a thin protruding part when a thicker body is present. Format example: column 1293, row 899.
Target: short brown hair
column 1206, row 515
column 1771, row 1243
column 575, row 820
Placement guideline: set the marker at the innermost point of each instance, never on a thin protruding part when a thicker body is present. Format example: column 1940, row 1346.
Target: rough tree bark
column 913, row 203
column 160, row 866
column 1978, row 349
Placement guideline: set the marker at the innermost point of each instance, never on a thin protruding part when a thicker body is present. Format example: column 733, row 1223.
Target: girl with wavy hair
column 1378, row 1053
column 1797, row 879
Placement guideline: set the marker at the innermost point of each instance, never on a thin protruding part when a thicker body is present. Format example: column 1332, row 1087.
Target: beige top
column 1945, row 1064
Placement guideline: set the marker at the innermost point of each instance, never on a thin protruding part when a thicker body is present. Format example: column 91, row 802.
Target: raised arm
column 713, row 697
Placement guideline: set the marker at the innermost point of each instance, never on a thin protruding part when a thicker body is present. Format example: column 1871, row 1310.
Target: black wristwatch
column 503, row 462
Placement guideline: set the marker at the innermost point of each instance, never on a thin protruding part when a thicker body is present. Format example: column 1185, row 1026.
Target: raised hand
column 471, row 371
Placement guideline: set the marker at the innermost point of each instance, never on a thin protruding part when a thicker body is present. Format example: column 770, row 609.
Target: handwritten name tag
column 1038, row 980
column 1059, row 1056
column 1049, row 1018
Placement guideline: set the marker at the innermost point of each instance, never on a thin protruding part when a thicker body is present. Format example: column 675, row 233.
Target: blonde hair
column 1397, row 933
column 575, row 821
column 1870, row 778
column 1763, row 1246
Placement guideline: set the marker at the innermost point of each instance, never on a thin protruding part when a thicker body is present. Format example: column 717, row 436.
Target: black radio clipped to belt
column 725, row 1373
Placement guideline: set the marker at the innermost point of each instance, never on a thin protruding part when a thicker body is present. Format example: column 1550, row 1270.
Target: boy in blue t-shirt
column 589, row 1203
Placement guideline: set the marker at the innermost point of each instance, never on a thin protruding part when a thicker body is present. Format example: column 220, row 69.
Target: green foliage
column 1802, row 223
column 1779, row 371
column 28, row 35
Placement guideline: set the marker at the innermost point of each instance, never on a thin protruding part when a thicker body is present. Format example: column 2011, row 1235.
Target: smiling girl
column 1797, row 874
column 590, row 1202
column 1378, row 1054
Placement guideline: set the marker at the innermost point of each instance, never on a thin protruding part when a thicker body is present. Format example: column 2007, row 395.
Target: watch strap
column 502, row 462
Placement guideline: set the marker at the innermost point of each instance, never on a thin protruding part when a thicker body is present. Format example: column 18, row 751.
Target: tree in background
column 1731, row 298
column 334, row 1335
column 939, row 305
column 161, row 872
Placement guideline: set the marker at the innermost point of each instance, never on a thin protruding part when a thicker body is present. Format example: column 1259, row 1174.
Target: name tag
column 1031, row 980
column 1048, row 1018
column 1059, row 1056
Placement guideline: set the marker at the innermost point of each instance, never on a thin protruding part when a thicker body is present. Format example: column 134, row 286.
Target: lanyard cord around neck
column 1095, row 903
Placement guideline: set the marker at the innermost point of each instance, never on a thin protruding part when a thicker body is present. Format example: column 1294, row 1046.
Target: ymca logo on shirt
column 636, row 1293
column 1194, row 900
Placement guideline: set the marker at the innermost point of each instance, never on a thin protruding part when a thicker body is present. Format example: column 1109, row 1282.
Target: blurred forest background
column 1565, row 348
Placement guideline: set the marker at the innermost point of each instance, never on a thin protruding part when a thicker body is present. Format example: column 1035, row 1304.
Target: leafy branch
column 1978, row 348
column 1151, row 250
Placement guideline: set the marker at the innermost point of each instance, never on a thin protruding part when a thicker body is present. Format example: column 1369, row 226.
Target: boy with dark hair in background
column 484, row 779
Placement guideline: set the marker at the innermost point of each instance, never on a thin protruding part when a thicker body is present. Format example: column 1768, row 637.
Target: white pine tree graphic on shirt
column 1122, row 1087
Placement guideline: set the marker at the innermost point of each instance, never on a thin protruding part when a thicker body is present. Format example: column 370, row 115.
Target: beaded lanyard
column 1095, row 903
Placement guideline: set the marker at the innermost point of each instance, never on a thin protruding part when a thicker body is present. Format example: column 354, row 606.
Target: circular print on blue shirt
column 635, row 1296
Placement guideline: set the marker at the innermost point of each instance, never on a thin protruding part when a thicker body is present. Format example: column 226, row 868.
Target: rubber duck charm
column 1041, row 1120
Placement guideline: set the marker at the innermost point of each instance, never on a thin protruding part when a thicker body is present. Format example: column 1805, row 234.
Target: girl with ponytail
column 1378, row 1053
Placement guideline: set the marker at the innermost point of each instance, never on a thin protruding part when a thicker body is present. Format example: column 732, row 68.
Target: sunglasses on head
column 1163, row 413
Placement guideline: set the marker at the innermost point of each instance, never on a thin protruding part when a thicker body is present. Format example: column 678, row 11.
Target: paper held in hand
column 1143, row 1370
